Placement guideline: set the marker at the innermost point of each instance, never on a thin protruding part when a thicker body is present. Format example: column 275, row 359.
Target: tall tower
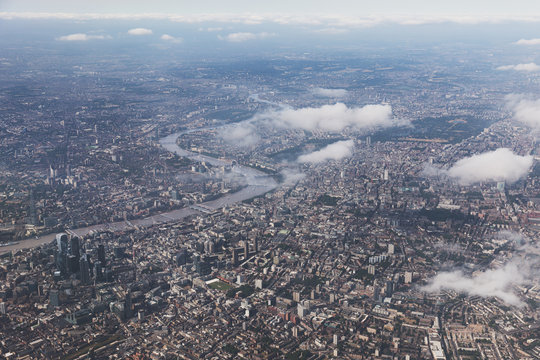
column 246, row 249
column 85, row 270
column 75, row 247
column 234, row 257
column 101, row 253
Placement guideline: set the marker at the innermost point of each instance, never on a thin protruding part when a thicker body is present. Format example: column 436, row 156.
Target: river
column 257, row 183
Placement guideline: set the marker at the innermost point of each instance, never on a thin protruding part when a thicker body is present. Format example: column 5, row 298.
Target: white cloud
column 333, row 118
column 332, row 31
column 336, row 21
column 291, row 176
column 167, row 37
column 139, row 31
column 499, row 282
column 242, row 134
column 335, row 151
column 528, row 42
column 332, row 93
column 492, row 282
column 529, row 67
column 82, row 37
column 245, row 36
column 525, row 110
column 499, row 165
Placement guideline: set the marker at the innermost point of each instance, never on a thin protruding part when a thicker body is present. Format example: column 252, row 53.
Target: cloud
column 242, row 134
column 524, row 109
column 333, row 118
column 528, row 42
column 328, row 20
column 332, row 31
column 139, row 31
column 335, row 151
column 82, row 37
column 167, row 37
column 291, row 176
column 333, row 93
column 529, row 67
column 499, row 165
column 493, row 282
column 521, row 269
column 245, row 36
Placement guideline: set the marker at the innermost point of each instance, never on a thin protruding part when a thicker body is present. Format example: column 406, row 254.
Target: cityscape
column 268, row 188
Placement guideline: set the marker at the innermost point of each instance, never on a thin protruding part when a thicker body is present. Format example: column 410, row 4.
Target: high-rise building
column 234, row 257
column 246, row 249
column 62, row 242
column 73, row 264
column 181, row 257
column 98, row 271
column 408, row 277
column 390, row 249
column 54, row 297
column 84, row 268
column 101, row 254
column 256, row 244
column 75, row 247
column 389, row 288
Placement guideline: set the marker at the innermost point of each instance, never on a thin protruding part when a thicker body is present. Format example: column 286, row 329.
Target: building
column 84, row 268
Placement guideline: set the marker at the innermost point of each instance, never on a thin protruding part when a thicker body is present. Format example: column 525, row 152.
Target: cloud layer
column 525, row 110
column 493, row 282
column 331, row 93
column 333, row 118
column 82, row 37
column 335, row 151
column 170, row 38
column 242, row 134
column 528, row 42
column 139, row 31
column 522, row 269
column 329, row 20
column 499, row 165
column 245, row 36
column 529, row 67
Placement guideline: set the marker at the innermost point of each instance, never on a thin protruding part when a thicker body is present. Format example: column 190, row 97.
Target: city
column 372, row 203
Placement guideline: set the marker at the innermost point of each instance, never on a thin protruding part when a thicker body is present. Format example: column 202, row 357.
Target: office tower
column 75, row 247
column 62, row 242
column 84, row 268
column 181, row 257
column 54, row 297
column 127, row 305
column 98, row 271
column 73, row 264
column 234, row 257
column 390, row 249
column 408, row 277
column 101, row 254
column 256, row 244
column 389, row 288
column 246, row 249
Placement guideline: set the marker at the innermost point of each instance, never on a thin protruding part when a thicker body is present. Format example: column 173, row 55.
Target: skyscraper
column 62, row 242
column 101, row 254
column 84, row 269
column 246, row 249
column 74, row 245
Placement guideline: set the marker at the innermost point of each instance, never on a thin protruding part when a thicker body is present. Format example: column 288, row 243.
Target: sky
column 298, row 7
